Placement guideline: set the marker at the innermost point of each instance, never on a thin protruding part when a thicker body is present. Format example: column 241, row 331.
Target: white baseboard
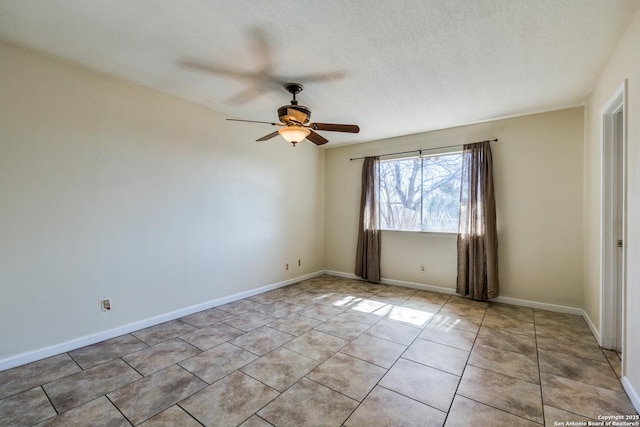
column 42, row 353
column 594, row 330
column 632, row 393
column 539, row 305
column 421, row 286
column 449, row 291
column 341, row 274
column 385, row 281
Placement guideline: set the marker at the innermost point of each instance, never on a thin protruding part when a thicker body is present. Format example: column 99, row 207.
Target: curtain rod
column 427, row 149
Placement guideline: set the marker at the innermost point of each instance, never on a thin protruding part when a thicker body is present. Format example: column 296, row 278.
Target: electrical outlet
column 286, row 266
column 423, row 268
column 299, row 262
column 105, row 304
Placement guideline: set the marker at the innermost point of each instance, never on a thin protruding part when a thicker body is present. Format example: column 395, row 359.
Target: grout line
column 535, row 337
column 611, row 364
column 68, row 353
column 118, row 409
column 138, row 372
column 187, row 412
column 416, row 400
column 50, row 401
column 499, row 409
column 455, row 393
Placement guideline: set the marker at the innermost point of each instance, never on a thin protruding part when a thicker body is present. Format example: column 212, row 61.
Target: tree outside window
column 421, row 193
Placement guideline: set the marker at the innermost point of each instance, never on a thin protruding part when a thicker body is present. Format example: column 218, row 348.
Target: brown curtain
column 477, row 235
column 368, row 250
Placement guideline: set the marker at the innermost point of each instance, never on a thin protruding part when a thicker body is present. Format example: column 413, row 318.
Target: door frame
column 610, row 332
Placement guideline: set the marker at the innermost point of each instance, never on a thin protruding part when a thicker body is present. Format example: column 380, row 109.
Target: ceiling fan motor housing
column 294, row 113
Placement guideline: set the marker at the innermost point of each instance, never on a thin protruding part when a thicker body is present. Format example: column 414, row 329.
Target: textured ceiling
column 394, row 67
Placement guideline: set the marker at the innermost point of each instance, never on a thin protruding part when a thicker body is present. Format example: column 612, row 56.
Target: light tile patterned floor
column 328, row 352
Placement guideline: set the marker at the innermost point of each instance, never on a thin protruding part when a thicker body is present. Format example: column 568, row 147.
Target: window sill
column 444, row 233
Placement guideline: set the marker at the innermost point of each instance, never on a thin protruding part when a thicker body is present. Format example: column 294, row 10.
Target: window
column 421, row 193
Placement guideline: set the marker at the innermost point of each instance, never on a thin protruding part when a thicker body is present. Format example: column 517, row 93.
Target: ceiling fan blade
column 247, row 95
column 316, row 138
column 321, row 77
column 261, row 46
column 266, row 137
column 335, row 127
column 215, row 69
column 281, row 80
column 255, row 121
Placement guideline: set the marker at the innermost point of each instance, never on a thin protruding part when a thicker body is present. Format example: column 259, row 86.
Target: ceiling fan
column 294, row 119
column 264, row 77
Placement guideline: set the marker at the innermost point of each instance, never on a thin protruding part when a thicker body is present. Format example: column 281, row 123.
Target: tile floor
column 329, row 351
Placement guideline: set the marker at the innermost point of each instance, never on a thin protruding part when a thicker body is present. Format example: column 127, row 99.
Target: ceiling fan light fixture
column 294, row 134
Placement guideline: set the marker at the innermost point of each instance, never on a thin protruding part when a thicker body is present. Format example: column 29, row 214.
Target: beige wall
column 624, row 65
column 538, row 184
column 110, row 190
